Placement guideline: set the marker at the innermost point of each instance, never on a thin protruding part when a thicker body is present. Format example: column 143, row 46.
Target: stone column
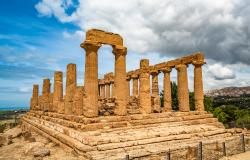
column 155, row 91
column 135, row 84
column 167, row 90
column 78, row 100
column 198, row 85
column 58, row 89
column 155, row 87
column 45, row 94
column 183, row 94
column 91, row 78
column 34, row 98
column 70, row 88
column 102, row 88
column 128, row 86
column 120, row 85
column 107, row 89
column 144, row 95
column 112, row 88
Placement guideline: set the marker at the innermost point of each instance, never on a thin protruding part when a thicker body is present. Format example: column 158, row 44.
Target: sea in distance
column 12, row 108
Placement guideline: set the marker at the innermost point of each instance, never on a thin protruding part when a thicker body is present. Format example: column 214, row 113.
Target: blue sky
column 38, row 37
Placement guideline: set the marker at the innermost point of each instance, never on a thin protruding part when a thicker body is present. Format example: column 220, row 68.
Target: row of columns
column 51, row 101
column 106, row 88
column 183, row 92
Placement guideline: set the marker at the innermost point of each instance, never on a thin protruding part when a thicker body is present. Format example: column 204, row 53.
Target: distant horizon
column 11, row 108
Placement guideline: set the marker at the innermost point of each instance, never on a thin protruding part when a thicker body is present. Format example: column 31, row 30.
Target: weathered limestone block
column 78, row 101
column 120, row 85
column 106, row 106
column 183, row 94
column 70, row 88
column 145, row 98
column 58, row 90
column 99, row 36
column 46, row 94
column 133, row 106
column 198, row 85
column 91, row 78
column 156, row 104
column 167, row 90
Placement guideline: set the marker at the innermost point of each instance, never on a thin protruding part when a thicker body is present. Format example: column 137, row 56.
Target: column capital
column 166, row 70
column 101, row 81
column 128, row 78
column 134, row 76
column 154, row 71
column 119, row 50
column 198, row 63
column 179, row 66
column 106, row 82
column 88, row 45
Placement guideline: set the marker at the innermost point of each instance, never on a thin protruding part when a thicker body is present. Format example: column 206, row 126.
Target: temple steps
column 142, row 136
column 144, row 150
column 128, row 121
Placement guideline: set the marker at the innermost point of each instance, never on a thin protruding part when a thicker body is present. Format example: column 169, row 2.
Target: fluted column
column 144, row 96
column 135, row 84
column 107, row 89
column 155, row 87
column 183, row 94
column 91, row 78
column 34, row 98
column 167, row 90
column 45, row 94
column 58, row 90
column 128, row 86
column 102, row 88
column 198, row 85
column 70, row 88
column 112, row 88
column 120, row 85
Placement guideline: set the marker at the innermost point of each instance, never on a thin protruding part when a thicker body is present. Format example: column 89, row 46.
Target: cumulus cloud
column 55, row 7
column 173, row 28
column 220, row 72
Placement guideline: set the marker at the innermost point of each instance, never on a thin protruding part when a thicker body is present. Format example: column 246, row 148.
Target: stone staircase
column 139, row 136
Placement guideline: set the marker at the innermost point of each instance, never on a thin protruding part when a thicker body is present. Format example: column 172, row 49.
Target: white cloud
column 76, row 35
column 219, row 28
column 56, row 8
column 170, row 28
column 220, row 72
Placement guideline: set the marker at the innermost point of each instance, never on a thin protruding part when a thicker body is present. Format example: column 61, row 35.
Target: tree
column 222, row 116
column 174, row 95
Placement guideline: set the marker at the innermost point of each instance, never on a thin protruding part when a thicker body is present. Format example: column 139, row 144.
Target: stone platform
column 139, row 136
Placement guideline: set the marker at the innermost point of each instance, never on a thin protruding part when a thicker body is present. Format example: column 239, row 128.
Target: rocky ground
column 242, row 156
column 18, row 145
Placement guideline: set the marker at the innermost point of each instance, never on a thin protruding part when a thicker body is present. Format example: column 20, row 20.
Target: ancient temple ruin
column 102, row 120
